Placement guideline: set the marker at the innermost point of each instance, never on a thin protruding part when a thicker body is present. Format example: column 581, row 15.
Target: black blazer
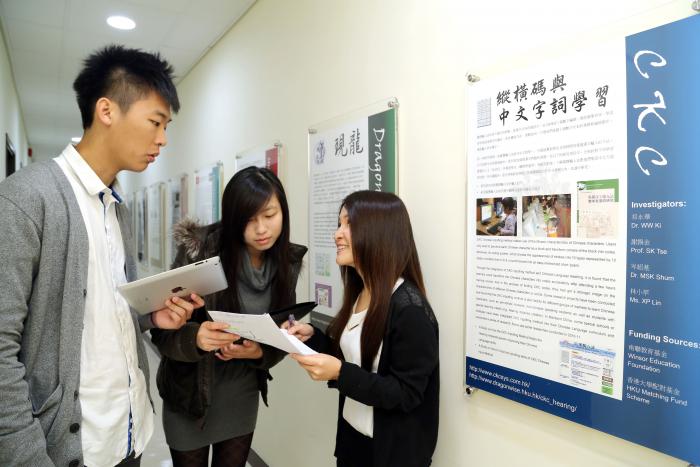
column 405, row 390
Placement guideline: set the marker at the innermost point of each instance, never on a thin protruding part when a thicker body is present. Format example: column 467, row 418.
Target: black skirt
column 356, row 449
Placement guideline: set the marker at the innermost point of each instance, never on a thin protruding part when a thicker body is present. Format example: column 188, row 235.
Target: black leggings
column 229, row 453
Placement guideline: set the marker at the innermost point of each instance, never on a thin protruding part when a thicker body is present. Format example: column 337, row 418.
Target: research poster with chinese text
column 582, row 255
column 178, row 188
column 208, row 190
column 156, row 226
column 262, row 156
column 359, row 154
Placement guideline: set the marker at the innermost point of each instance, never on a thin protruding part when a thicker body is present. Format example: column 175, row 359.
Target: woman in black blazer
column 381, row 350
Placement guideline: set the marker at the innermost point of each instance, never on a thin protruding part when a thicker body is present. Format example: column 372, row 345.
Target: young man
column 73, row 370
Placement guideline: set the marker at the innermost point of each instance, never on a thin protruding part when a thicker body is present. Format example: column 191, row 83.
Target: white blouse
column 357, row 414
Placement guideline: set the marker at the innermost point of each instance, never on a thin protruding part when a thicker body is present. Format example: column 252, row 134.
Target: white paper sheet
column 261, row 328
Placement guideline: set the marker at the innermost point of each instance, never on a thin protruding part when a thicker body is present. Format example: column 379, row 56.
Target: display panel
column 586, row 312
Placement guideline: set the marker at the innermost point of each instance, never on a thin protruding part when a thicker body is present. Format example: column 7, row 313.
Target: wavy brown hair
column 383, row 250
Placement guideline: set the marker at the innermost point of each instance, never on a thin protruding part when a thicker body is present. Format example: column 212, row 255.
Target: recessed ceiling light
column 121, row 22
column 76, row 139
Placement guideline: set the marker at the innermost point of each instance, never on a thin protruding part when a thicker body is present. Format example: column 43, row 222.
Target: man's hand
column 176, row 312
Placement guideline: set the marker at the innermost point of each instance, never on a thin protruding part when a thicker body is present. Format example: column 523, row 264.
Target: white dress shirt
column 116, row 410
column 357, row 414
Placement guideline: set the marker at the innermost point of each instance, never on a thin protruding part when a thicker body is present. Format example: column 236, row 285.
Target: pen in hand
column 291, row 319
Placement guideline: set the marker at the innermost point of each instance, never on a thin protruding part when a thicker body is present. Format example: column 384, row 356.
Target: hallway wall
column 289, row 65
column 11, row 121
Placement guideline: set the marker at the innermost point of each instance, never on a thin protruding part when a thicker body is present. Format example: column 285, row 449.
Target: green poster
column 381, row 156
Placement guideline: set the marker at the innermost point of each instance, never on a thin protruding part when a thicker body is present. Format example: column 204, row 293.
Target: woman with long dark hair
column 382, row 346
column 210, row 384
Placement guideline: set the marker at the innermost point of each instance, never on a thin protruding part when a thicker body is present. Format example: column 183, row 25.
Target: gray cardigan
column 43, row 273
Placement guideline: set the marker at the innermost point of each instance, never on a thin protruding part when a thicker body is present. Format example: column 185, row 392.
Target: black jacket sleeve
column 320, row 342
column 412, row 352
column 271, row 357
column 181, row 344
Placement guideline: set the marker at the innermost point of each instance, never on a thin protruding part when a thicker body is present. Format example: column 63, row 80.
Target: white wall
column 11, row 121
column 290, row 64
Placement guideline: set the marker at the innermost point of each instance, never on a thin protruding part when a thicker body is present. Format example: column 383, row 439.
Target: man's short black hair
column 123, row 75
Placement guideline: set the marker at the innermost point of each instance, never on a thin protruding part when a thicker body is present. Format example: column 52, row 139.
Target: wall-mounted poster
column 130, row 201
column 581, row 177
column 266, row 156
column 134, row 224
column 141, row 226
column 156, row 227
column 178, row 210
column 349, row 154
column 208, row 189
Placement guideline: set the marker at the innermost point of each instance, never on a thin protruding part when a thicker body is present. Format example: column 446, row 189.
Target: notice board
column 582, row 251
column 349, row 153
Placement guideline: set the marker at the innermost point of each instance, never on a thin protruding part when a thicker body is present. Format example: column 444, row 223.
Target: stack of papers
column 261, row 328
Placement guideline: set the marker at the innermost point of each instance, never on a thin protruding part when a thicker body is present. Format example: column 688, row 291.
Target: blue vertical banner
column 659, row 405
column 662, row 320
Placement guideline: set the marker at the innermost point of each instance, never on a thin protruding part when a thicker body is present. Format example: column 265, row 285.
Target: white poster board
column 141, row 226
column 535, row 136
column 265, row 156
column 354, row 153
column 156, row 227
column 177, row 211
column 585, row 307
column 208, row 190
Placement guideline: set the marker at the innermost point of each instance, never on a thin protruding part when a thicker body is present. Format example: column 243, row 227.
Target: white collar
column 87, row 177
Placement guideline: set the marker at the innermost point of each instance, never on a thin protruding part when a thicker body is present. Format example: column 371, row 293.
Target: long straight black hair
column 245, row 195
column 383, row 250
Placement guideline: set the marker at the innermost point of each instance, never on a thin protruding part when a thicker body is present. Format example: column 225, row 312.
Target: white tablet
column 150, row 293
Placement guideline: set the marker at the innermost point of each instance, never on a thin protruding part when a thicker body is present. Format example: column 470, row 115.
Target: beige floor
column 157, row 454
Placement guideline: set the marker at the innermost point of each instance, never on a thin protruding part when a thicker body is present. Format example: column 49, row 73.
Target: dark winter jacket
column 185, row 375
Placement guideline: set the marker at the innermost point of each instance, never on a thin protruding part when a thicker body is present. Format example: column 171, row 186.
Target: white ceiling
column 48, row 39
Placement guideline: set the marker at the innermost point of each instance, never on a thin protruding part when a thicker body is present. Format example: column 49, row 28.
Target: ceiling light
column 121, row 22
column 76, row 139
